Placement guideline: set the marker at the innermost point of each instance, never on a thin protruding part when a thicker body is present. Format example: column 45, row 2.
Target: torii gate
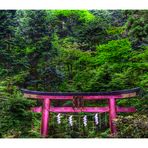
column 112, row 108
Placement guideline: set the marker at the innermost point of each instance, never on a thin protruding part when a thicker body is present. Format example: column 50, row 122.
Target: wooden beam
column 78, row 110
column 126, row 109
column 33, row 96
column 36, row 109
column 85, row 109
column 69, row 97
column 93, row 97
column 129, row 95
column 100, row 97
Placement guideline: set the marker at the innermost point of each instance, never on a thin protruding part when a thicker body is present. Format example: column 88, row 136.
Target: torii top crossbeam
column 117, row 94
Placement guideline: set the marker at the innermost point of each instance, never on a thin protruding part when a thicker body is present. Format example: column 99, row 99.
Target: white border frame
column 73, row 4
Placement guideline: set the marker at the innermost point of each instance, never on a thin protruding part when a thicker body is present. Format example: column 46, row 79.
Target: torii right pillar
column 112, row 114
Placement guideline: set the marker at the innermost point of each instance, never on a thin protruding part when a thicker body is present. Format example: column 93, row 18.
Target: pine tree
column 137, row 27
column 7, row 27
column 34, row 30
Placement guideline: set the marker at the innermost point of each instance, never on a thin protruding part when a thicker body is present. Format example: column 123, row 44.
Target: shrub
column 15, row 117
column 135, row 126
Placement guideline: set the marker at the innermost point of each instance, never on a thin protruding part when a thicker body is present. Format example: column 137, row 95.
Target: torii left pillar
column 45, row 117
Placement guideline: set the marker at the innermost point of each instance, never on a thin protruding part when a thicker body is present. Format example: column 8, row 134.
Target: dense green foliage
column 137, row 27
column 72, row 51
column 133, row 126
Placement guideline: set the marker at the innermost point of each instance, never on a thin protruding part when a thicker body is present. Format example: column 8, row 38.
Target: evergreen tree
column 7, row 28
column 137, row 27
column 35, row 28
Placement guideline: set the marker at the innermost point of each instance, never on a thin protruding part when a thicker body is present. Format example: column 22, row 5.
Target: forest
column 72, row 51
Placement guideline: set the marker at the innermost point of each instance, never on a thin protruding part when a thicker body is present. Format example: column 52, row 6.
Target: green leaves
column 116, row 30
column 137, row 28
column 15, row 117
column 114, row 52
column 81, row 15
column 133, row 126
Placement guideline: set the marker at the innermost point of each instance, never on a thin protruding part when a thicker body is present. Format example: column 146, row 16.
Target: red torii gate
column 112, row 108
